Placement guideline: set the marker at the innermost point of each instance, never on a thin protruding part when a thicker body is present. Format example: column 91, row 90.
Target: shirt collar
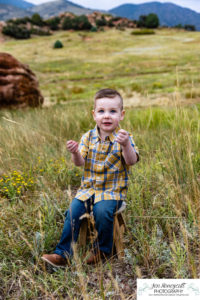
column 111, row 137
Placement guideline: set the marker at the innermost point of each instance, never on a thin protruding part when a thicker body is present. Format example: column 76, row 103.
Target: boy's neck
column 103, row 137
column 103, row 134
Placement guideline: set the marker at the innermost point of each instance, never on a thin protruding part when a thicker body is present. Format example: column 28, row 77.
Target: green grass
column 37, row 178
column 143, row 32
column 112, row 58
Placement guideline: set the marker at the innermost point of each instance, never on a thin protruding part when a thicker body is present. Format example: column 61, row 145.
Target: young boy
column 106, row 152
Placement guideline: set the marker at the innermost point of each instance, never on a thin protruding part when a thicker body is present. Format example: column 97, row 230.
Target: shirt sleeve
column 84, row 144
column 134, row 146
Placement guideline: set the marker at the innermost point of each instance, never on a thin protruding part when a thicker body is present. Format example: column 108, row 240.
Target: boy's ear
column 122, row 115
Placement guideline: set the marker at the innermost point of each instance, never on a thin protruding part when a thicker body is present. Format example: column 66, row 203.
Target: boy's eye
column 100, row 111
column 113, row 111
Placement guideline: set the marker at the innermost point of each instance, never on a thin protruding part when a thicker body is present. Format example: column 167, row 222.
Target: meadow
column 158, row 76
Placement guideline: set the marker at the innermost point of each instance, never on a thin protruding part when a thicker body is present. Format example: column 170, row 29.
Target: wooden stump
column 88, row 232
column 118, row 235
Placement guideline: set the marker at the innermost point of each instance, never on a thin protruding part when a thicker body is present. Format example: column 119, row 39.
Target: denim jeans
column 103, row 212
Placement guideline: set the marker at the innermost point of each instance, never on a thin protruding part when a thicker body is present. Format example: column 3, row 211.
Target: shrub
column 67, row 23
column 149, row 21
column 101, row 22
column 142, row 21
column 39, row 32
column 53, row 23
column 178, row 26
column 10, row 21
column 190, row 27
column 152, row 21
column 110, row 23
column 36, row 19
column 19, row 21
column 16, row 32
column 83, row 23
column 58, row 44
column 186, row 27
column 116, row 19
column 76, row 23
column 94, row 29
column 143, row 31
column 120, row 27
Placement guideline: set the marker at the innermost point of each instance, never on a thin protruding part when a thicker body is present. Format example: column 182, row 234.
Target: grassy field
column 159, row 79
column 150, row 68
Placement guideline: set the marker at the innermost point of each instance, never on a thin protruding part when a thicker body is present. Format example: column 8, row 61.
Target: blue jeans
column 103, row 212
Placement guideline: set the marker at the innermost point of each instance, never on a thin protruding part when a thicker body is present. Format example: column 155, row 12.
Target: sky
column 108, row 4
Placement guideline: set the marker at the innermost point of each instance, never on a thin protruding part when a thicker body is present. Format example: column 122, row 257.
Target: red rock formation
column 18, row 84
column 124, row 22
column 117, row 22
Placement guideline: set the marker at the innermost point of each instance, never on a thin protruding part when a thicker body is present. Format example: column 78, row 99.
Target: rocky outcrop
column 116, row 21
column 18, row 84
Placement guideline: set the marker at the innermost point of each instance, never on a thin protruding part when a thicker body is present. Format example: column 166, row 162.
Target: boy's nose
column 106, row 115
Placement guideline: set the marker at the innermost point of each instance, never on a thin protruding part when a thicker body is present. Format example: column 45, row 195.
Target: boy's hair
column 108, row 93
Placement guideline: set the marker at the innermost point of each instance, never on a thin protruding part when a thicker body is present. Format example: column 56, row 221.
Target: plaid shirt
column 105, row 171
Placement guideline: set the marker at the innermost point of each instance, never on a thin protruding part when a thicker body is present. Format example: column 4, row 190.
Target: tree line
column 18, row 28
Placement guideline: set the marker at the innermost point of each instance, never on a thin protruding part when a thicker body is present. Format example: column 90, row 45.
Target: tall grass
column 162, row 215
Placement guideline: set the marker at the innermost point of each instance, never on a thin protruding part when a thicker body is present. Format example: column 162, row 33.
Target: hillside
column 9, row 12
column 17, row 9
column 17, row 3
column 169, row 14
column 54, row 8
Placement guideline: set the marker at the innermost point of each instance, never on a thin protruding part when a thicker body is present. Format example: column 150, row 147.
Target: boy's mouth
column 107, row 123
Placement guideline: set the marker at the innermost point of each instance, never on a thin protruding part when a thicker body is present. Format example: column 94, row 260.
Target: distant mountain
column 17, row 8
column 9, row 12
column 17, row 3
column 169, row 14
column 54, row 8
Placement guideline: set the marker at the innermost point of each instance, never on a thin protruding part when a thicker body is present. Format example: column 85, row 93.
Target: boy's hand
column 122, row 137
column 72, row 146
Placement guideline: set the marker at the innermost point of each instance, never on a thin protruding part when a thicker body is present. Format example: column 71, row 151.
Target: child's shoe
column 54, row 260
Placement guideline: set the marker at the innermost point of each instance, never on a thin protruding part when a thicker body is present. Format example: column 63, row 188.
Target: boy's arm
column 77, row 159
column 129, row 154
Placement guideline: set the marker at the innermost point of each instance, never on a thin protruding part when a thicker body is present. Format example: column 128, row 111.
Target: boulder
column 18, row 84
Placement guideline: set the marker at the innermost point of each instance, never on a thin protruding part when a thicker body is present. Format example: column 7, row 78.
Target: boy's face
column 107, row 114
